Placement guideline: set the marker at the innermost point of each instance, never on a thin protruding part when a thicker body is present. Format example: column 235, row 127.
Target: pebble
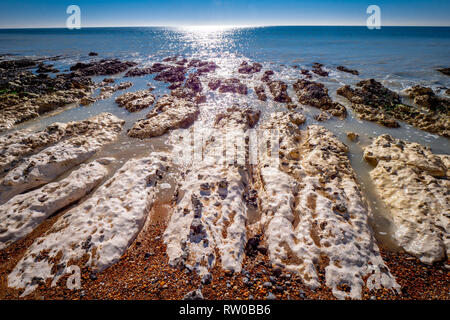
column 194, row 295
column 277, row 271
column 279, row 288
column 287, row 276
column 206, row 279
column 271, row 296
column 301, row 294
column 267, row 284
column 262, row 249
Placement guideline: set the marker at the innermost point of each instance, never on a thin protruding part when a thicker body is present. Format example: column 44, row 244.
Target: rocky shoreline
column 296, row 229
column 374, row 102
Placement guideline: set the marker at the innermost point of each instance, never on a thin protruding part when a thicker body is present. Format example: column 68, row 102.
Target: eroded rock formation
column 314, row 217
column 136, row 101
column 232, row 85
column 278, row 89
column 426, row 98
column 84, row 139
column 414, row 184
column 168, row 113
column 25, row 212
column 247, row 68
column 209, row 220
column 316, row 94
column 96, row 233
column 261, row 93
column 317, row 69
column 345, row 69
column 102, row 67
column 374, row 102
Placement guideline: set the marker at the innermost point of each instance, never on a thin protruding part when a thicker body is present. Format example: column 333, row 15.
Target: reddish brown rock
column 193, row 83
column 345, row 69
column 306, row 73
column 207, row 68
column 138, row 72
column 158, row 67
column 102, row 67
column 317, row 69
column 261, row 93
column 175, row 85
column 202, row 66
column 232, row 85
column 214, row 84
column 181, row 62
column 445, row 71
column 188, row 94
column 279, row 91
column 170, row 59
column 247, row 68
column 172, row 74
column 155, row 68
column 266, row 76
column 46, row 68
column 315, row 94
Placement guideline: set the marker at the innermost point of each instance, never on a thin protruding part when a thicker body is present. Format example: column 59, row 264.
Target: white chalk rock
column 97, row 232
column 25, row 212
column 414, row 184
column 22, row 143
column 210, row 218
column 168, row 113
column 313, row 213
column 85, row 138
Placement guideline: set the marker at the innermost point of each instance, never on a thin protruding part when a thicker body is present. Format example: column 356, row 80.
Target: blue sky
column 52, row 13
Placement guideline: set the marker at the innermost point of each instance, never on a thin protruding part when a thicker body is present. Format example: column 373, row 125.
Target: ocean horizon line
column 226, row 26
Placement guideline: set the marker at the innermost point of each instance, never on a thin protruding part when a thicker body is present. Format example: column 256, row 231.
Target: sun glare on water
column 209, row 38
column 210, row 28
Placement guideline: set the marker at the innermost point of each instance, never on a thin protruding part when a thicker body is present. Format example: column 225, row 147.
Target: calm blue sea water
column 399, row 52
